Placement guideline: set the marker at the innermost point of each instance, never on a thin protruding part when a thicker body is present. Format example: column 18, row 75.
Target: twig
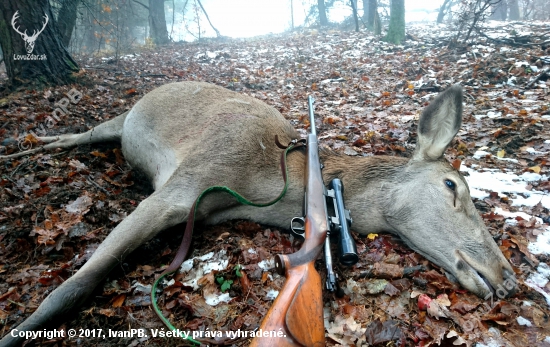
column 536, row 79
column 147, row 7
column 512, row 42
column 98, row 186
column 101, row 68
column 208, row 18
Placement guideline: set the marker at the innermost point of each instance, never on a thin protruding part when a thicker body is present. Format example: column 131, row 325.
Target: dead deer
column 188, row 136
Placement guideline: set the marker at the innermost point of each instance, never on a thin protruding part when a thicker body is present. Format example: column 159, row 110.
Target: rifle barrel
column 310, row 101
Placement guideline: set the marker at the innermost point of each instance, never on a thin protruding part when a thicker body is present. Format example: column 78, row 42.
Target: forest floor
column 56, row 207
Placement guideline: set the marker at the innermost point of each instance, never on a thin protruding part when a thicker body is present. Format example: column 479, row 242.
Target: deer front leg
column 156, row 213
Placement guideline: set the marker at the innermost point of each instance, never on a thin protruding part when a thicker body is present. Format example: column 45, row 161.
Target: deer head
column 29, row 40
column 430, row 207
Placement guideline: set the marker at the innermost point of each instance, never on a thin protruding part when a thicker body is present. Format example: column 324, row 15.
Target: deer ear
column 439, row 124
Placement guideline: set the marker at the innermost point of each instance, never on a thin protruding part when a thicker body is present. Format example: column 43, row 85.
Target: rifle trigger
column 297, row 226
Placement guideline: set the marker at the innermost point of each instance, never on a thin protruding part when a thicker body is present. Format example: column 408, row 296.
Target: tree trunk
column 499, row 11
column 396, row 30
column 157, row 22
column 442, row 11
column 292, row 13
column 365, row 10
column 33, row 50
column 355, row 18
column 66, row 20
column 373, row 18
column 323, row 21
column 514, row 9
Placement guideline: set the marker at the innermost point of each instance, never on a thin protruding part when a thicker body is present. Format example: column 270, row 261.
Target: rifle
column 296, row 316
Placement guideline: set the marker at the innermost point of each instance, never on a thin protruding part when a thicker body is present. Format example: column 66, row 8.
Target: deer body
column 188, row 136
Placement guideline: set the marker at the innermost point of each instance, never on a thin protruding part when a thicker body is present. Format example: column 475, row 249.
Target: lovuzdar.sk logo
column 29, row 40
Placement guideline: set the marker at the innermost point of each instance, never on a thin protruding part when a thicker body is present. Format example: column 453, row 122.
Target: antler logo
column 29, row 40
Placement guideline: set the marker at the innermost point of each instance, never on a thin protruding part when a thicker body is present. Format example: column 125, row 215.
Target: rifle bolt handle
column 280, row 266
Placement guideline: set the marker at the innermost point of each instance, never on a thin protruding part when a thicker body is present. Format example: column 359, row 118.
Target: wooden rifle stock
column 298, row 309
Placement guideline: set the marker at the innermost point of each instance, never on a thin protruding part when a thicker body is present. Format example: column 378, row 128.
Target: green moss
column 72, row 65
column 396, row 30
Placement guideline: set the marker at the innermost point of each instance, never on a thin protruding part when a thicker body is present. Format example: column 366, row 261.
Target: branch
column 137, row 2
column 544, row 72
column 206, row 14
column 511, row 41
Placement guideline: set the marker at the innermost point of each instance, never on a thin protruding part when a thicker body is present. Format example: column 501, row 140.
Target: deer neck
column 370, row 184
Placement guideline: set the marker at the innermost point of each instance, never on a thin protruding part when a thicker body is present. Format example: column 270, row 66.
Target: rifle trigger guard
column 297, row 226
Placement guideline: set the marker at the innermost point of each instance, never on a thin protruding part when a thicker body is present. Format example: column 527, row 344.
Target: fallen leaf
column 372, row 236
column 378, row 332
column 535, row 169
column 118, row 300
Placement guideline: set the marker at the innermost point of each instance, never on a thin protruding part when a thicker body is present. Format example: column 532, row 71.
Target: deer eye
column 450, row 184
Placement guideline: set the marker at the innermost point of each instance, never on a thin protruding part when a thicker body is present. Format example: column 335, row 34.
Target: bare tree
column 208, row 19
column 443, row 10
column 353, row 5
column 499, row 10
column 157, row 22
column 66, row 19
column 323, row 20
column 396, row 30
column 373, row 18
column 513, row 6
column 470, row 15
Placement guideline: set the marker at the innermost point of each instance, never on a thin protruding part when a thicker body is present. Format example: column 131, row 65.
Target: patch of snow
column 521, row 63
column 538, row 289
column 540, row 278
column 527, row 101
column 513, row 215
column 532, row 177
column 213, row 299
column 531, row 150
column 489, row 114
column 523, row 321
column 195, row 273
column 479, row 154
column 272, row 294
column 505, row 184
column 146, row 289
column 491, row 343
column 267, row 264
column 542, row 245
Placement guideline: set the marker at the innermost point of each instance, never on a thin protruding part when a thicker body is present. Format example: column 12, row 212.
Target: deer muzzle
column 489, row 279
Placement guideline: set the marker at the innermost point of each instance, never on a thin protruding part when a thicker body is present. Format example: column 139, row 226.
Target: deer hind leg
column 104, row 132
column 158, row 212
